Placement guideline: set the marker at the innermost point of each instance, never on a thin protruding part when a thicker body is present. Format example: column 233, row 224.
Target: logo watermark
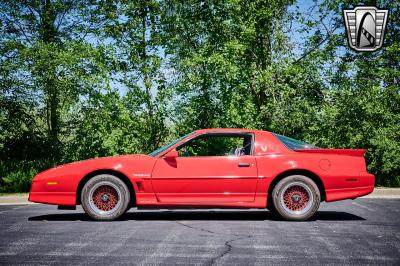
column 365, row 27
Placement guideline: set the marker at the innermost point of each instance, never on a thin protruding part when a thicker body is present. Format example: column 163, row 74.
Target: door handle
column 243, row 164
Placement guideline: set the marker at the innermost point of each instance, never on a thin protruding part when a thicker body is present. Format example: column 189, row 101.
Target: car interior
column 235, row 144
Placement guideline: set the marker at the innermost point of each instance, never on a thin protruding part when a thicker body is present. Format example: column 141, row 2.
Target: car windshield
column 294, row 144
column 163, row 148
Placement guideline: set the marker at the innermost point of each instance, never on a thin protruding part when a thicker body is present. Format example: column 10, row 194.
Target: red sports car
column 237, row 168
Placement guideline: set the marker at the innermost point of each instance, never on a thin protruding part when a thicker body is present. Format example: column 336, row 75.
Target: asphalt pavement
column 359, row 232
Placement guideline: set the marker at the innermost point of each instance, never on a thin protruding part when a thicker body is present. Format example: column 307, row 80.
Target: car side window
column 217, row 145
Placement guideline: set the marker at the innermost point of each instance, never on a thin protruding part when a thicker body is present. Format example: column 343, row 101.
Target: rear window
column 294, row 144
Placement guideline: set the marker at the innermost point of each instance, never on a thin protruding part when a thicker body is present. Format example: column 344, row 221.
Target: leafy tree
column 82, row 79
column 46, row 64
column 233, row 65
column 136, row 34
column 361, row 107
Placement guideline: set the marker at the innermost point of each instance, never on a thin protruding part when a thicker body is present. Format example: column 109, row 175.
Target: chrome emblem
column 365, row 26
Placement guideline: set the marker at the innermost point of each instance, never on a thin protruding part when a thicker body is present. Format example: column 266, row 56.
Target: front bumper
column 56, row 191
column 56, row 198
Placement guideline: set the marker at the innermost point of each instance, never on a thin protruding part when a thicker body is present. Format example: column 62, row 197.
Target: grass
column 2, row 194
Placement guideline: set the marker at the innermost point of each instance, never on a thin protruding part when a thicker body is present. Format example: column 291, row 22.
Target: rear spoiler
column 349, row 152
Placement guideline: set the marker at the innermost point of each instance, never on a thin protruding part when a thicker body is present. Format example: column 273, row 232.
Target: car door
column 206, row 178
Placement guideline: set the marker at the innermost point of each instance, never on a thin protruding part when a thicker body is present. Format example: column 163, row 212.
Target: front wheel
column 105, row 197
column 296, row 198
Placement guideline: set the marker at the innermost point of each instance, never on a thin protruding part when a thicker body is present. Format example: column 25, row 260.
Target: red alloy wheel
column 105, row 198
column 296, row 198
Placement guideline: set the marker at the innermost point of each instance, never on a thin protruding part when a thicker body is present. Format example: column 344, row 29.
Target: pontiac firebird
column 236, row 168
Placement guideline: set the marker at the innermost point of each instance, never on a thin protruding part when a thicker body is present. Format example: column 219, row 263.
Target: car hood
column 115, row 158
column 118, row 163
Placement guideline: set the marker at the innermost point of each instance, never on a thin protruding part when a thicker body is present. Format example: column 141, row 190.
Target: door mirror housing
column 172, row 154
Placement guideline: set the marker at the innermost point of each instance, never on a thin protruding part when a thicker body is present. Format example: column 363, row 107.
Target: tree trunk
column 49, row 36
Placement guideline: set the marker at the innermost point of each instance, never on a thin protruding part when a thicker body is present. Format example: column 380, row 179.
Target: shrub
column 17, row 176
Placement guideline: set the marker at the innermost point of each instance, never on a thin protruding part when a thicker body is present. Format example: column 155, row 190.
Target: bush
column 17, row 176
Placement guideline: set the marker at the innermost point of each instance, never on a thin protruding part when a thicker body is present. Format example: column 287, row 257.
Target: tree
column 46, row 60
column 136, row 36
column 234, row 68
column 361, row 107
column 81, row 79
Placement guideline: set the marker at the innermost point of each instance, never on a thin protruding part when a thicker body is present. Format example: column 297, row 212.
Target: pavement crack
column 228, row 249
column 198, row 228
column 228, row 243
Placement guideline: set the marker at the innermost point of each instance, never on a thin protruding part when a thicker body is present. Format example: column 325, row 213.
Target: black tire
column 270, row 205
column 296, row 198
column 105, row 197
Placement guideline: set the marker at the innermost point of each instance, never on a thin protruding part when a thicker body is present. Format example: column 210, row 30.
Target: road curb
column 384, row 193
column 379, row 193
column 15, row 199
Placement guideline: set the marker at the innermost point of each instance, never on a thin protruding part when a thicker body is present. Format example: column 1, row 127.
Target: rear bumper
column 347, row 193
column 357, row 187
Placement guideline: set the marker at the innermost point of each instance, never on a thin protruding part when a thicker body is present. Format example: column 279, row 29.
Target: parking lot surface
column 359, row 232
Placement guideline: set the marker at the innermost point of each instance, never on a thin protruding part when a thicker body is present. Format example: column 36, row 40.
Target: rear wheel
column 105, row 197
column 296, row 198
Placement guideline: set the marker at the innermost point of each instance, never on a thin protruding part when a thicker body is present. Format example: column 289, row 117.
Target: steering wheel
column 239, row 151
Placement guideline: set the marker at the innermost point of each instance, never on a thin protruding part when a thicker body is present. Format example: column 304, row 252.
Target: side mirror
column 172, row 154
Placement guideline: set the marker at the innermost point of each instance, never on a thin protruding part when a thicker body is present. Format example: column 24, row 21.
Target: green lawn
column 13, row 194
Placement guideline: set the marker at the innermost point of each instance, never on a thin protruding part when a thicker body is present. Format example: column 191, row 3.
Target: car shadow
column 170, row 215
